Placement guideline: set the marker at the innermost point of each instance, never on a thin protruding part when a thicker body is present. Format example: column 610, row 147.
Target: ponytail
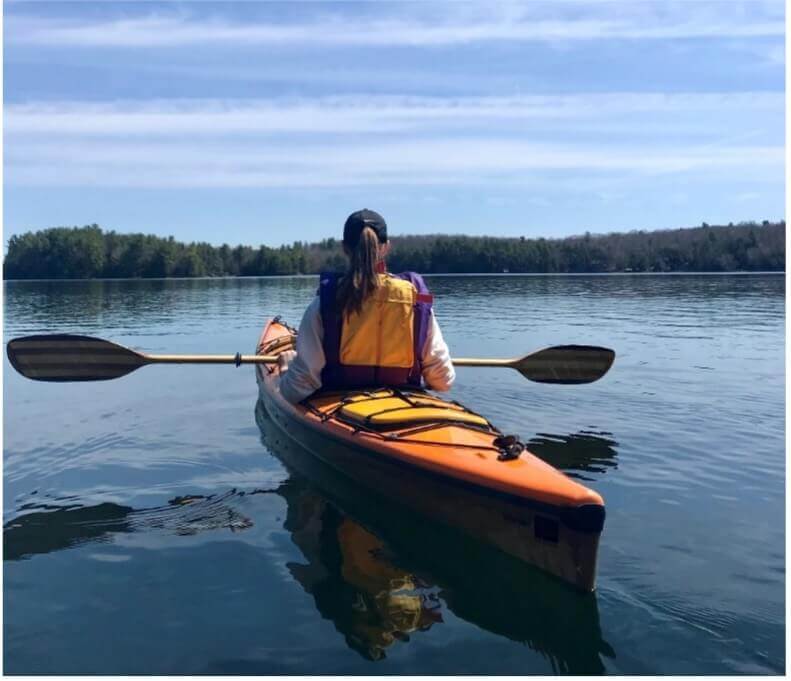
column 362, row 278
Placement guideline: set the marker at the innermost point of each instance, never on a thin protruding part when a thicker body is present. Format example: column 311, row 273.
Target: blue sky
column 267, row 122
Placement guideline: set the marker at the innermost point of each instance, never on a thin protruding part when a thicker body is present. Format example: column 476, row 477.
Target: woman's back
column 367, row 328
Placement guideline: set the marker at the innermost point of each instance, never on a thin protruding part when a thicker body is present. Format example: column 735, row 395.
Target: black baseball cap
column 358, row 221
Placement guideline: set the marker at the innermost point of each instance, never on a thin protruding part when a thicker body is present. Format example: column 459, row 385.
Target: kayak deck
column 385, row 435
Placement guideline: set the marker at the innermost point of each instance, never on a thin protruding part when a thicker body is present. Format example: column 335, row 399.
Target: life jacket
column 381, row 345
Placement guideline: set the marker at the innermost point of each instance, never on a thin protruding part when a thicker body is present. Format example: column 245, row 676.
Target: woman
column 367, row 328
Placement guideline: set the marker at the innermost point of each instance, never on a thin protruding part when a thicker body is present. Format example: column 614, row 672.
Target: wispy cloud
column 601, row 21
column 747, row 196
column 358, row 141
column 444, row 161
column 357, row 114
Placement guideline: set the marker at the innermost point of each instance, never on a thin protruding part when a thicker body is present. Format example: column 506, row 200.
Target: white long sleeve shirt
column 303, row 376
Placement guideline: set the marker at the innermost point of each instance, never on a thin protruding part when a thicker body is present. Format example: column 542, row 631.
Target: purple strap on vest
column 331, row 321
column 335, row 374
column 421, row 320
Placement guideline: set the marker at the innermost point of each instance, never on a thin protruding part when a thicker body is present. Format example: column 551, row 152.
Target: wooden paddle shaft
column 272, row 359
column 210, row 359
column 480, row 362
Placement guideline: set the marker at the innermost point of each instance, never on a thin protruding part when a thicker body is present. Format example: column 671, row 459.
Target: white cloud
column 384, row 114
column 358, row 141
column 599, row 21
column 408, row 162
column 747, row 196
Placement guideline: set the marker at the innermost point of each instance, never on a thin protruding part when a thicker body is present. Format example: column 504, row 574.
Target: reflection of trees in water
column 380, row 571
column 584, row 452
column 677, row 289
column 111, row 304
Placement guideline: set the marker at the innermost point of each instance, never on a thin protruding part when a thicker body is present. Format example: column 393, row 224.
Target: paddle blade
column 569, row 364
column 63, row 357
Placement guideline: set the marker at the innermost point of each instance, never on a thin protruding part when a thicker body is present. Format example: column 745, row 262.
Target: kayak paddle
column 65, row 357
column 569, row 364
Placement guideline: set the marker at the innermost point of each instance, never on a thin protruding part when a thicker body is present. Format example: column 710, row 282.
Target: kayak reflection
column 372, row 602
column 382, row 572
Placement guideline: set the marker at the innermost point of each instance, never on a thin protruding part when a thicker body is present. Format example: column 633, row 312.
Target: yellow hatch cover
column 388, row 409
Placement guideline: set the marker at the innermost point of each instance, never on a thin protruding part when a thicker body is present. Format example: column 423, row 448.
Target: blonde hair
column 362, row 278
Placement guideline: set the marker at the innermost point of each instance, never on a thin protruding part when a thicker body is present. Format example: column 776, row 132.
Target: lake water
column 150, row 529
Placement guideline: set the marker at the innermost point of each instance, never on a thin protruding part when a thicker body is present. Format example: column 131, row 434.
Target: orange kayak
column 446, row 461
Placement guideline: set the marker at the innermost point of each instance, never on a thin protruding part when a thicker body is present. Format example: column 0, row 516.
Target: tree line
column 89, row 252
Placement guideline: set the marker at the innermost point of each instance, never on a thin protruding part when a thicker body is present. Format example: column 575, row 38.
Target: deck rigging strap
column 509, row 447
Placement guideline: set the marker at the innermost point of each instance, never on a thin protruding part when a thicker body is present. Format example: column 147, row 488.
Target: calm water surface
column 157, row 524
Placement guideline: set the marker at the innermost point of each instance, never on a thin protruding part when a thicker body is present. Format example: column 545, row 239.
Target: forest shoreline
column 91, row 253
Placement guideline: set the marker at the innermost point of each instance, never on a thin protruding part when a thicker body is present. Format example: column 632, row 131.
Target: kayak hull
column 542, row 527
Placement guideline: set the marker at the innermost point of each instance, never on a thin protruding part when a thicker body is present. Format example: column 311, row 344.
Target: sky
column 269, row 122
